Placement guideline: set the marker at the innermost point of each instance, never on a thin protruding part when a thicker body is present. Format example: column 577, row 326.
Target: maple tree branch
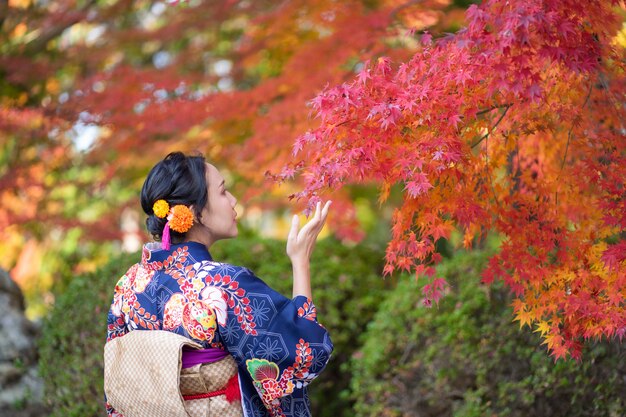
column 569, row 138
column 401, row 7
column 506, row 109
column 345, row 122
column 493, row 189
column 611, row 97
column 497, row 106
column 569, row 134
column 39, row 43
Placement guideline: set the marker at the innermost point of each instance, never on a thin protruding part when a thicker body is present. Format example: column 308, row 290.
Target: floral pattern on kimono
column 277, row 342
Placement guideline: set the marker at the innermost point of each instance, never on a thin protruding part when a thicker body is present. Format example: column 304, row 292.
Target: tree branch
column 40, row 42
column 569, row 138
column 401, row 7
column 497, row 106
column 493, row 189
column 569, row 134
column 507, row 107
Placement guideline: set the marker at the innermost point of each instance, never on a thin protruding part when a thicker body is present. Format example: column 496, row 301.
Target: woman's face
column 219, row 217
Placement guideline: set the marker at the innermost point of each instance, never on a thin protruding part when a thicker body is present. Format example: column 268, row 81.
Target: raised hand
column 300, row 243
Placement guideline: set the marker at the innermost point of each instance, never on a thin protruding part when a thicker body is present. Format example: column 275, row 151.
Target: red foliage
column 514, row 125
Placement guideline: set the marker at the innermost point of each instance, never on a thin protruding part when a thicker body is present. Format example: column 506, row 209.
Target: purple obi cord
column 192, row 357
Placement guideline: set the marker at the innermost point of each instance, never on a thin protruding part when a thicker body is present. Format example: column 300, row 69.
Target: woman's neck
column 199, row 235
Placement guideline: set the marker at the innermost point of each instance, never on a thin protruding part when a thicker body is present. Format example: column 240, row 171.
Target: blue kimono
column 277, row 343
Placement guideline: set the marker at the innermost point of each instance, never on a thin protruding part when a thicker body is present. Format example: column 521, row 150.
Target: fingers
column 301, row 241
column 325, row 210
column 313, row 226
column 318, row 214
column 319, row 218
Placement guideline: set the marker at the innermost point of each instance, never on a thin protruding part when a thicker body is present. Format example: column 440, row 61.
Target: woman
column 177, row 288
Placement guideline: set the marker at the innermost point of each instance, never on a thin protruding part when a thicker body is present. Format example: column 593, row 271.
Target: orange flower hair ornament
column 179, row 218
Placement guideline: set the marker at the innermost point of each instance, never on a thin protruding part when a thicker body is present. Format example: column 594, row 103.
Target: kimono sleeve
column 277, row 341
column 115, row 327
column 110, row 410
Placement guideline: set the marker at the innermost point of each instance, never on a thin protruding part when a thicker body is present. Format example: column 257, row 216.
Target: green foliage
column 465, row 358
column 462, row 358
column 347, row 287
column 72, row 341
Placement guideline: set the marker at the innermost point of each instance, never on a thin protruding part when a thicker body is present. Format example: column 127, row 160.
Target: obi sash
column 192, row 357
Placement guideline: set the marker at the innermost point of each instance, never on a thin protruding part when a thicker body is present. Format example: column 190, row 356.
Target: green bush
column 72, row 341
column 466, row 358
column 346, row 284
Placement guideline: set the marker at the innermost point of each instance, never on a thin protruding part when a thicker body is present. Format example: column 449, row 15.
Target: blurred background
column 94, row 93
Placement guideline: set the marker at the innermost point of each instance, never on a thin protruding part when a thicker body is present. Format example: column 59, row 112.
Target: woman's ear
column 197, row 214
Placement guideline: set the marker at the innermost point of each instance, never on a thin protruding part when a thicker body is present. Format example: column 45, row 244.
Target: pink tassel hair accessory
column 165, row 239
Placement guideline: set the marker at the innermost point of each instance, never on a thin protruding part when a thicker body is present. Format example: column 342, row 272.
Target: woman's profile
column 188, row 335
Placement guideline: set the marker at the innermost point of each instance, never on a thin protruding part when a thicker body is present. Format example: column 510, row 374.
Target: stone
column 21, row 388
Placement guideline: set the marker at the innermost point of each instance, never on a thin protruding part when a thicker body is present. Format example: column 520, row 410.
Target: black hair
column 177, row 179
